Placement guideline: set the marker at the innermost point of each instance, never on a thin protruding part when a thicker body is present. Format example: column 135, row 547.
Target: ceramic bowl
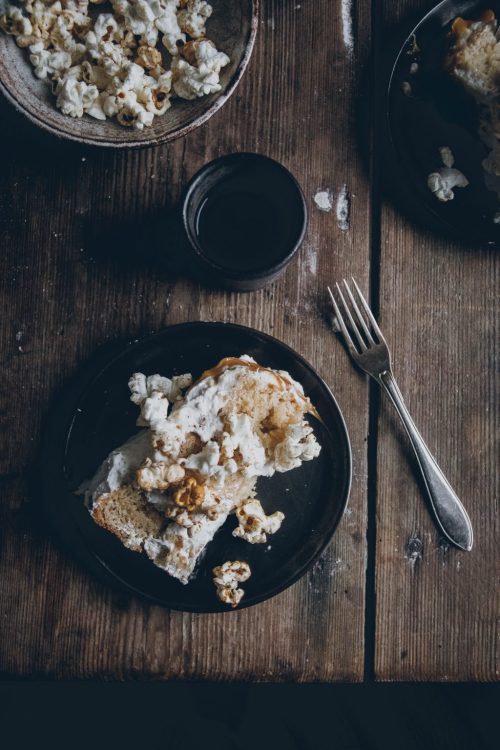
column 232, row 28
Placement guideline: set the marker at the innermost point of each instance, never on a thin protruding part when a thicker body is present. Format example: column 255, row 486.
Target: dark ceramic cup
column 241, row 220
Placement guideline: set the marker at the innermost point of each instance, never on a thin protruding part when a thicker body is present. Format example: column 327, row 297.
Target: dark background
column 243, row 717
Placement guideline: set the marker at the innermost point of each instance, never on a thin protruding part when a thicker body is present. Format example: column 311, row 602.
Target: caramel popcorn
column 254, row 525
column 190, row 495
column 226, row 580
column 158, row 476
column 128, row 77
column 148, row 57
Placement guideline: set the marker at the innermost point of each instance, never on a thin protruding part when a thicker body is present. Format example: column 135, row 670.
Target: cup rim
column 217, row 269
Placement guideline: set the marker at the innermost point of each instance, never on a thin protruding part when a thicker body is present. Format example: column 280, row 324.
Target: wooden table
column 389, row 599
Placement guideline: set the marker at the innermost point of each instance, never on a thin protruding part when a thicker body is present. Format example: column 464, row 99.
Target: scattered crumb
column 413, row 48
column 20, row 339
column 446, row 155
column 406, row 88
column 414, row 68
column 343, row 209
column 414, row 550
column 312, row 260
column 347, row 31
column 323, row 200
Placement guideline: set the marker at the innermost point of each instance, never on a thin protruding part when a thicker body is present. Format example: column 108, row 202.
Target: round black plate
column 437, row 113
column 94, row 415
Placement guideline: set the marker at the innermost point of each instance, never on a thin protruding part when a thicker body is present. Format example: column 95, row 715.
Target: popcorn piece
column 190, row 495
column 48, row 63
column 141, row 386
column 13, row 22
column 154, row 393
column 442, row 182
column 193, row 16
column 97, row 108
column 75, row 97
column 167, row 23
column 202, row 77
column 148, row 57
column 298, row 445
column 96, row 75
column 254, row 525
column 226, row 579
column 158, row 476
column 158, row 103
column 204, row 52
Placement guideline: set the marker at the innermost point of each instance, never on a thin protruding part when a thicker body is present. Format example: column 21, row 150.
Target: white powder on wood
column 323, row 200
column 342, row 209
column 311, row 257
column 347, row 32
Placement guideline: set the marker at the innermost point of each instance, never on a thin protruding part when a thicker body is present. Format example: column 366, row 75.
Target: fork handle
column 449, row 512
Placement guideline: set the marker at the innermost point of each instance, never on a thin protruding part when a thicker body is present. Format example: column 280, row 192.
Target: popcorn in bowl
column 127, row 63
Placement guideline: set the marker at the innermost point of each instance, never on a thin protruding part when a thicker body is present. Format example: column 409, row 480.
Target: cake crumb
column 323, row 200
column 343, row 209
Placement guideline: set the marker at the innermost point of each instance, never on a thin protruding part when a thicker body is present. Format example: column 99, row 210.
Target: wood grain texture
column 438, row 609
column 61, row 299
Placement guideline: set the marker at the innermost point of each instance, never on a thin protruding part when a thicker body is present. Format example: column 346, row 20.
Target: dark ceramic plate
column 437, row 113
column 94, row 415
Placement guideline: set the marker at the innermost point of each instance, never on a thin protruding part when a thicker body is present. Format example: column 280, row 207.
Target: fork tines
column 363, row 327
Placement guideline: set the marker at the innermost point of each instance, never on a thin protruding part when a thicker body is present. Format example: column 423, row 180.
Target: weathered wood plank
column 438, row 608
column 62, row 299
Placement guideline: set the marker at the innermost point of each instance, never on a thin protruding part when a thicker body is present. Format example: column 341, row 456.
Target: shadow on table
column 245, row 717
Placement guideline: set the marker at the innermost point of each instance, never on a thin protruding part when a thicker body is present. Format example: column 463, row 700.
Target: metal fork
column 369, row 350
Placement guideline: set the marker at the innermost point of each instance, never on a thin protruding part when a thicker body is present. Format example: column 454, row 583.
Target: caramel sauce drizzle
column 227, row 362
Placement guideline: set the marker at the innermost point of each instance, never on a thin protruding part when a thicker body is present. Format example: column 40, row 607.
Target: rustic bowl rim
column 157, row 140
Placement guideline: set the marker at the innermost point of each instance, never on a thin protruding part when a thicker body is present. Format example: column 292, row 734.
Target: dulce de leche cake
column 169, row 488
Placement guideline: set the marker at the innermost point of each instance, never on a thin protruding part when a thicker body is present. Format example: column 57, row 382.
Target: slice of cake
column 169, row 489
column 474, row 58
column 474, row 63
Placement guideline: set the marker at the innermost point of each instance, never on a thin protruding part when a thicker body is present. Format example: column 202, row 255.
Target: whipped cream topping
column 119, row 467
column 200, row 413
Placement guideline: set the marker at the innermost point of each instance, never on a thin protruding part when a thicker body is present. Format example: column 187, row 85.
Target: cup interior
column 245, row 215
